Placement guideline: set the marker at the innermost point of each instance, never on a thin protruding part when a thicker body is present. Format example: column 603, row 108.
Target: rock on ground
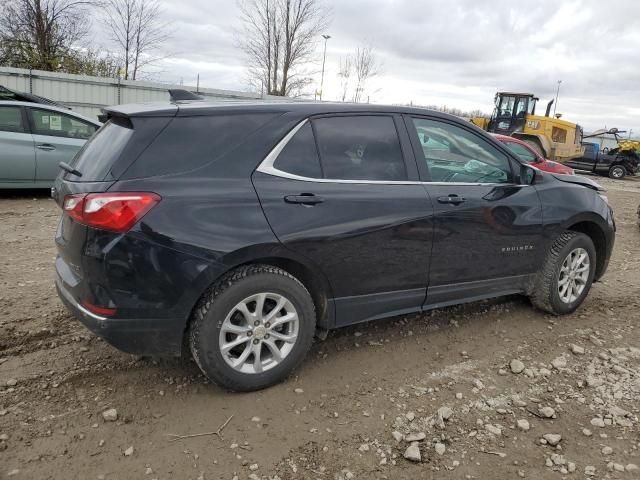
column 412, row 453
column 110, row 415
column 516, row 366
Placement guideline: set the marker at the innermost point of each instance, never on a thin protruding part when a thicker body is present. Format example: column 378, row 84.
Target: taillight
column 106, row 311
column 110, row 211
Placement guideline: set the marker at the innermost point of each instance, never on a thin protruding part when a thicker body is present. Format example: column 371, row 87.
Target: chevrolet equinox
column 239, row 231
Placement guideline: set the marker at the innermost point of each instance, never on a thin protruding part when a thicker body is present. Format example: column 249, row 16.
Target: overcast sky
column 448, row 52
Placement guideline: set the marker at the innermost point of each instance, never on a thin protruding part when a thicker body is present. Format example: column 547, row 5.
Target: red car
column 529, row 155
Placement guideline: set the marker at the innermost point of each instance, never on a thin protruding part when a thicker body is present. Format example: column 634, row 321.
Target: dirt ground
column 337, row 417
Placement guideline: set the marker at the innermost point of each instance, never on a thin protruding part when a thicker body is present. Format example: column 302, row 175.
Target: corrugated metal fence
column 87, row 95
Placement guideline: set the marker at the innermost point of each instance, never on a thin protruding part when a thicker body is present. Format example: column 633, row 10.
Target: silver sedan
column 35, row 138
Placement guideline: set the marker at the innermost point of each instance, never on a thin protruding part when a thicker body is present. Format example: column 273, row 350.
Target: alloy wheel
column 573, row 275
column 617, row 172
column 259, row 333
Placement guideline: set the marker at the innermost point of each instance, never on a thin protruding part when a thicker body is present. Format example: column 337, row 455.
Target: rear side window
column 191, row 142
column 363, row 147
column 11, row 119
column 56, row 124
column 98, row 155
column 300, row 156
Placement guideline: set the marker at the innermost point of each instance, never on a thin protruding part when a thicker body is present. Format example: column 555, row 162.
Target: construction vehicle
column 515, row 115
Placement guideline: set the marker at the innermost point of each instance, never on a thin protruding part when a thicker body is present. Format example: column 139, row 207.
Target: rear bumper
column 138, row 336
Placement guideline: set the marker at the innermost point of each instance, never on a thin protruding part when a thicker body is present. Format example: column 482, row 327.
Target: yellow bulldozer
column 515, row 115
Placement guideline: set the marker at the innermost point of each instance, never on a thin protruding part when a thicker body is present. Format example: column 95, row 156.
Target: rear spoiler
column 179, row 94
column 147, row 110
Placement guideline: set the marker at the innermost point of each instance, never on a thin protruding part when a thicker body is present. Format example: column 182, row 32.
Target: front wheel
column 565, row 278
column 617, row 172
column 252, row 328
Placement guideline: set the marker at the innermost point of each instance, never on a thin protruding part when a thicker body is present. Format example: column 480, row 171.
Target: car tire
column 552, row 289
column 228, row 320
column 617, row 172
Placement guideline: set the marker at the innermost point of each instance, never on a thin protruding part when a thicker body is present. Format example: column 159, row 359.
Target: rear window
column 191, row 142
column 98, row 155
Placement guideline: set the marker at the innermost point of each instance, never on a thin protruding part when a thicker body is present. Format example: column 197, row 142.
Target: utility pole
column 324, row 57
column 555, row 104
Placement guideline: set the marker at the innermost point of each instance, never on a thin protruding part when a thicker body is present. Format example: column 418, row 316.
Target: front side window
column 363, row 147
column 521, row 151
column 453, row 154
column 11, row 119
column 57, row 124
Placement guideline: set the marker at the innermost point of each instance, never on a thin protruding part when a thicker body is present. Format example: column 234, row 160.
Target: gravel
column 516, row 366
column 552, row 439
column 412, row 453
column 110, row 415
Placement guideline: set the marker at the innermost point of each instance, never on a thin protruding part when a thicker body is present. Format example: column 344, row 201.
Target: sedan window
column 11, row 119
column 57, row 124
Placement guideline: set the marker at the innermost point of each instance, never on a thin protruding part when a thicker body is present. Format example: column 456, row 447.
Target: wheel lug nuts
column 249, row 333
column 266, row 335
column 256, row 323
column 267, row 324
column 255, row 341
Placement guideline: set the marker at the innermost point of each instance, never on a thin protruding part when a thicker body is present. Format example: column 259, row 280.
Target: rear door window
column 362, row 147
column 57, row 124
column 11, row 119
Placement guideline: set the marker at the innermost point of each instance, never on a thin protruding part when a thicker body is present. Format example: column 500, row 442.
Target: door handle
column 304, row 199
column 46, row 146
column 452, row 199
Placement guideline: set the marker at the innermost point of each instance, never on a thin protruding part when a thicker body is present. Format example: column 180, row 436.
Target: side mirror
column 527, row 175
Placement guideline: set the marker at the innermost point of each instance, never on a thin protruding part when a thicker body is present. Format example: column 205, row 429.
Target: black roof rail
column 178, row 94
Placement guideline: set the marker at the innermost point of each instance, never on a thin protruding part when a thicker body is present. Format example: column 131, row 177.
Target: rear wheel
column 566, row 275
column 252, row 328
column 617, row 172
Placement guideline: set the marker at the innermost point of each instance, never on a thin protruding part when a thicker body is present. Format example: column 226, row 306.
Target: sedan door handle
column 304, row 199
column 46, row 146
column 452, row 199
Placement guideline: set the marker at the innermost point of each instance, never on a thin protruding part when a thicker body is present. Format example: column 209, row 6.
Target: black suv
column 240, row 231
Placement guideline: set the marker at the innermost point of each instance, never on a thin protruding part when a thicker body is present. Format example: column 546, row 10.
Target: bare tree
column 39, row 34
column 138, row 32
column 346, row 69
column 279, row 39
column 365, row 66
